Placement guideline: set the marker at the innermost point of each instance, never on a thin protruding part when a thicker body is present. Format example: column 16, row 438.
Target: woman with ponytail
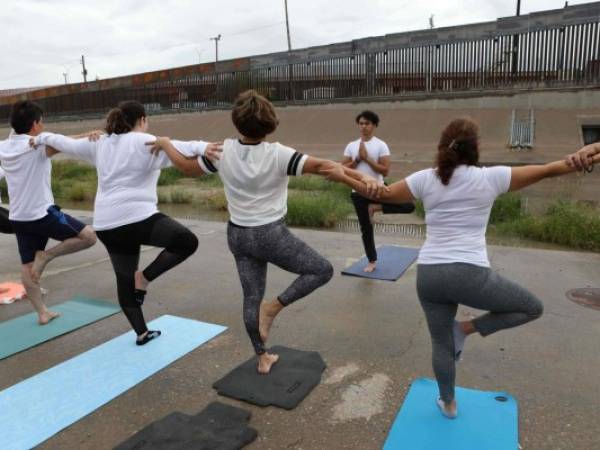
column 125, row 212
column 453, row 267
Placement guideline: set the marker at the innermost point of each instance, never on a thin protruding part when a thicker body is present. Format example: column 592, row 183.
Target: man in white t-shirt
column 371, row 156
column 33, row 215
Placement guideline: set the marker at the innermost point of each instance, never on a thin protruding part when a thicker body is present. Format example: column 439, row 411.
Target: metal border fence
column 549, row 49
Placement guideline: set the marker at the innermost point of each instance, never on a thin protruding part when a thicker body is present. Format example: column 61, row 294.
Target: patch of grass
column 80, row 191
column 317, row 183
column 216, row 201
column 573, row 224
column 181, row 196
column 507, row 207
column 317, row 209
column 169, row 176
column 211, row 180
column 163, row 196
column 74, row 180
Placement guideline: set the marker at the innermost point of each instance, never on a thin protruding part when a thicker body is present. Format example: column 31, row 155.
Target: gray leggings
column 442, row 287
column 253, row 248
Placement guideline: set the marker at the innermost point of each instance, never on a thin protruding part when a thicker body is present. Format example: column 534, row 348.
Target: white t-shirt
column 127, row 174
column 376, row 148
column 28, row 172
column 457, row 215
column 255, row 179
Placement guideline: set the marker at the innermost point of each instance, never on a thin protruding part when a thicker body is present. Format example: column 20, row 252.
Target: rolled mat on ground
column 486, row 421
column 24, row 332
column 392, row 262
column 10, row 292
column 77, row 387
column 216, row 427
column 291, row 379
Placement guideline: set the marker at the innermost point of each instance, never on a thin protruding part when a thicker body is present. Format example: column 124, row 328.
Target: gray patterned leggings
column 253, row 248
column 442, row 287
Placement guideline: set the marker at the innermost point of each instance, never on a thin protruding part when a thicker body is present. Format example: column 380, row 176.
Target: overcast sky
column 44, row 38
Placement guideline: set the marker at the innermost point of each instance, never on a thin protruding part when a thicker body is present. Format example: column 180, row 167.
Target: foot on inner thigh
column 373, row 208
column 266, row 361
column 448, row 409
column 39, row 264
column 370, row 267
column 47, row 316
column 268, row 312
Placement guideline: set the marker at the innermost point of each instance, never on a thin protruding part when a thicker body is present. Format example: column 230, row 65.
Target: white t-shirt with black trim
column 255, row 178
column 457, row 215
column 376, row 149
column 28, row 172
column 127, row 173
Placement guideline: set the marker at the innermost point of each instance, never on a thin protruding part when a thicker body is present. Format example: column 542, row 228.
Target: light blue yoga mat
column 392, row 262
column 486, row 421
column 39, row 407
column 24, row 332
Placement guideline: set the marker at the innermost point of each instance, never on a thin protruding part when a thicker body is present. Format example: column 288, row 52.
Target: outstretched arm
column 524, row 176
column 83, row 148
column 326, row 168
column 188, row 167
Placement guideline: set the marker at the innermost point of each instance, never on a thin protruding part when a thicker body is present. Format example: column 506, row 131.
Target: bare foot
column 373, row 208
column 268, row 312
column 266, row 361
column 39, row 264
column 448, row 409
column 46, row 317
column 140, row 281
column 370, row 267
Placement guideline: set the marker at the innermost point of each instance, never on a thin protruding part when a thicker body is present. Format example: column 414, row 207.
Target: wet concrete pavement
column 372, row 335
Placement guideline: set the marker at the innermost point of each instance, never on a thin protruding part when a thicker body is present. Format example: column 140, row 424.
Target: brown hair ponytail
column 459, row 144
column 124, row 117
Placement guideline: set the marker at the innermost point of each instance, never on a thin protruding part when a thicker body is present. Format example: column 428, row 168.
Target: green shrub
column 181, row 196
column 316, row 209
column 573, row 224
column 169, row 176
column 507, row 207
column 210, row 180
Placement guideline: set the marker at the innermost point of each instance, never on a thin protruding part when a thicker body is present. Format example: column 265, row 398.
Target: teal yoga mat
column 486, row 421
column 24, row 332
column 39, row 407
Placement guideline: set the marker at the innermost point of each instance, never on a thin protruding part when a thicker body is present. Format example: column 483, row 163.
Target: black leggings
column 361, row 205
column 123, row 245
column 5, row 225
column 255, row 247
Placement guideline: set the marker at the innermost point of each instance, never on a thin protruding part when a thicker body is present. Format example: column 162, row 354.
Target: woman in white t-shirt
column 453, row 266
column 255, row 176
column 125, row 211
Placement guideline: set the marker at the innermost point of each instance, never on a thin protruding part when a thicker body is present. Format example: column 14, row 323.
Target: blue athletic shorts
column 33, row 236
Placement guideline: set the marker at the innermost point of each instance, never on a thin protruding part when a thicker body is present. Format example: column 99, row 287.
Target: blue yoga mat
column 392, row 262
column 24, row 332
column 486, row 421
column 39, row 407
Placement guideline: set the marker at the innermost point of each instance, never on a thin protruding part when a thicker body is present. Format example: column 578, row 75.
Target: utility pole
column 84, row 72
column 216, row 39
column 65, row 74
column 287, row 25
column 431, row 24
column 515, row 52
